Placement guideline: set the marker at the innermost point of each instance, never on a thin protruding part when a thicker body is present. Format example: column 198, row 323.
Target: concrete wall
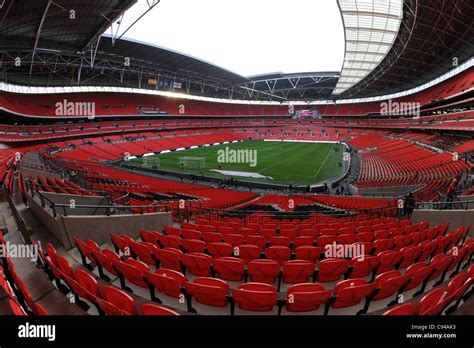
column 455, row 218
column 97, row 228
column 60, row 198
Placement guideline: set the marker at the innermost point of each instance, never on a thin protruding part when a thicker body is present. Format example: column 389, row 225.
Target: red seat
column 87, row 282
column 229, row 268
column 121, row 243
column 280, row 241
column 389, row 260
column 234, row 239
column 310, row 253
column 153, row 309
column 288, row 232
column 121, row 300
column 330, row 270
column 263, row 271
column 191, row 234
column 363, row 266
column 389, row 284
column 144, row 251
column 432, row 303
column 105, row 260
column 209, row 291
column 16, row 308
column 132, row 271
column 217, row 250
column 194, row 246
column 410, row 254
column 255, row 297
column 166, row 281
column 169, row 258
column 258, row 240
column 198, row 264
column 403, row 309
column 306, row 297
column 365, row 237
column 303, row 240
column 212, row 237
column 278, row 253
column 418, row 273
column 297, row 271
column 64, row 266
column 149, row 236
column 351, row 292
column 247, row 252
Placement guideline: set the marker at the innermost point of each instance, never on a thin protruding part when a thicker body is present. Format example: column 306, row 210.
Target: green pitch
column 278, row 162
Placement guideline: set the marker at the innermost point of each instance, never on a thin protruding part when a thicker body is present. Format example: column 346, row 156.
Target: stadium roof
column 434, row 38
column 54, row 49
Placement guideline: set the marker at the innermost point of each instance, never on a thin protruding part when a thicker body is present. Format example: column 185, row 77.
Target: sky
column 248, row 37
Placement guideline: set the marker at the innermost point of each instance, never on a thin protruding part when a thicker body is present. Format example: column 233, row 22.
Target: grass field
column 279, row 162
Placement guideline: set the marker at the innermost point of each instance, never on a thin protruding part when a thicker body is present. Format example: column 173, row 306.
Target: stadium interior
column 361, row 202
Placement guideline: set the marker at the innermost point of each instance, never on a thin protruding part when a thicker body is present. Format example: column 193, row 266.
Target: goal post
column 192, row 162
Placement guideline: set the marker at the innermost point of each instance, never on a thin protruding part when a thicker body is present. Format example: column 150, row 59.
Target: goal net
column 192, row 162
column 150, row 162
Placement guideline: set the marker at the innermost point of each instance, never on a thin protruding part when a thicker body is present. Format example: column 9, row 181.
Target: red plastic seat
column 280, row 241
column 351, row 292
column 149, row 236
column 258, row 240
column 198, row 264
column 288, row 232
column 389, row 284
column 144, row 251
column 153, row 309
column 410, row 254
column 263, row 271
column 169, row 258
column 105, row 260
column 363, row 266
column 209, row 291
column 297, row 271
column 194, row 246
column 432, row 303
column 212, row 237
column 247, row 252
column 310, row 253
column 132, row 271
column 230, row 268
column 306, row 297
column 280, row 254
column 217, row 250
column 389, row 260
column 330, row 270
column 418, row 273
column 166, row 281
column 303, row 240
column 16, row 308
column 119, row 299
column 234, row 239
column 87, row 282
column 191, row 234
column 121, row 243
column 256, row 297
column 403, row 309
column 64, row 266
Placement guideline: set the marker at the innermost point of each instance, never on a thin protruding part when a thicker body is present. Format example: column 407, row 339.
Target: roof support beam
column 38, row 33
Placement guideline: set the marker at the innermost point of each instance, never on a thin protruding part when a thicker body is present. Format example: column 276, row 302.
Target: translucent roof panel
column 371, row 27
